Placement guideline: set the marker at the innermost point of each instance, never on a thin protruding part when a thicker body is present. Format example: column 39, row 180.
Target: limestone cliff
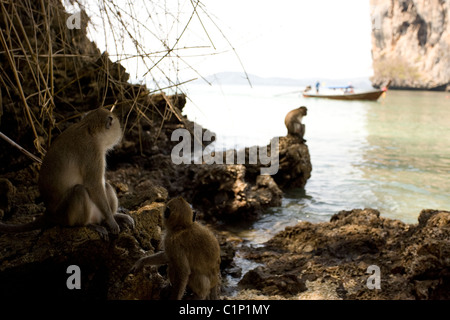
column 411, row 43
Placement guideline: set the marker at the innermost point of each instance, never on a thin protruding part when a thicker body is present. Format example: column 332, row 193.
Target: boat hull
column 370, row 95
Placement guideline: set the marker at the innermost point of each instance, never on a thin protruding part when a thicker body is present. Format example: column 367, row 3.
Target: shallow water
column 392, row 155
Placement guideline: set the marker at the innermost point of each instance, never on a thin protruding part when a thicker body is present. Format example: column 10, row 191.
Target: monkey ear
column 109, row 122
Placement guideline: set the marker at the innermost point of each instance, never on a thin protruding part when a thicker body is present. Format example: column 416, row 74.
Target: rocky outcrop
column 293, row 163
column 35, row 265
column 240, row 192
column 332, row 259
column 411, row 43
column 222, row 193
column 140, row 168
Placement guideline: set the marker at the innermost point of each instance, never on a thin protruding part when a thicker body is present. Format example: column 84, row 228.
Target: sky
column 294, row 39
column 284, row 38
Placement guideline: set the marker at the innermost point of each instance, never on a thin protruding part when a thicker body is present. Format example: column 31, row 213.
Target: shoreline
column 324, row 260
column 335, row 260
column 141, row 170
column 240, row 79
column 315, row 263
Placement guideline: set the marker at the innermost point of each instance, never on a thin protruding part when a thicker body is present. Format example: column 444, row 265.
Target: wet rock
column 286, row 284
column 221, row 192
column 413, row 259
column 228, row 246
column 295, row 163
column 233, row 192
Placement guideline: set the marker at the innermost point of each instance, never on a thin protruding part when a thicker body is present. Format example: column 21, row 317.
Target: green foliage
column 397, row 69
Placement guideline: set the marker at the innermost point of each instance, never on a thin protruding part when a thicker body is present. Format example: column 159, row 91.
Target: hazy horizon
column 289, row 39
column 240, row 78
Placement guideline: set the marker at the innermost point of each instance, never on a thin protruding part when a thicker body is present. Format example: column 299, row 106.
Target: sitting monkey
column 293, row 122
column 72, row 178
column 191, row 251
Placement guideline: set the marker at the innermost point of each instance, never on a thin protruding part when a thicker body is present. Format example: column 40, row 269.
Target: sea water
column 392, row 155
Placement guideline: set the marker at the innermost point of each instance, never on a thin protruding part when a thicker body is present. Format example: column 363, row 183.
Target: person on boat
column 385, row 88
column 317, row 86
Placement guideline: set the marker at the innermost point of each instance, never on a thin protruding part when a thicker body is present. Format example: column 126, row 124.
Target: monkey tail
column 38, row 223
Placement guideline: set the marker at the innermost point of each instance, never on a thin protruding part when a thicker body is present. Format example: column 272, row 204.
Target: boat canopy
column 341, row 87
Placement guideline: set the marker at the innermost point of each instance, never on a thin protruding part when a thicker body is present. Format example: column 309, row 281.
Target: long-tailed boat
column 347, row 93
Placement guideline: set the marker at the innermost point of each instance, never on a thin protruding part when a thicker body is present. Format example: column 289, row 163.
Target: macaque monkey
column 293, row 122
column 191, row 251
column 72, row 178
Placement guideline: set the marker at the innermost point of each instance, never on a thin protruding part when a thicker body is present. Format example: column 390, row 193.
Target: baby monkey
column 191, row 251
column 293, row 122
column 72, row 178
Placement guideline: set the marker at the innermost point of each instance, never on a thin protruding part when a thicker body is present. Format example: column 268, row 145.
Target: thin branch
column 229, row 43
column 23, row 150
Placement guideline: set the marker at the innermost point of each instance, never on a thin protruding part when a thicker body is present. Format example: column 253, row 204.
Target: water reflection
column 408, row 158
column 392, row 155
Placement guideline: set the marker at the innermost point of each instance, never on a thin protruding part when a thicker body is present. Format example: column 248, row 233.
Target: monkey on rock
column 72, row 178
column 191, row 252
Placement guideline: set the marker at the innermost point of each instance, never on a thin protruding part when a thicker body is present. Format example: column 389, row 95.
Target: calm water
column 392, row 155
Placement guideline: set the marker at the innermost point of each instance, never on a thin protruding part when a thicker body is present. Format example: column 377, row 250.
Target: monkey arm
column 97, row 193
column 179, row 271
column 94, row 181
column 98, row 196
column 155, row 259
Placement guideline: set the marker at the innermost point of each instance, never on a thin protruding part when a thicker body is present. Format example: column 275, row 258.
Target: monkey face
column 178, row 214
column 105, row 125
column 113, row 129
column 304, row 110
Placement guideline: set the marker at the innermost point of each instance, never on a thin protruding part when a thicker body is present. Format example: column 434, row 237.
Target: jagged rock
column 135, row 188
column 228, row 247
column 221, row 192
column 281, row 284
column 413, row 259
column 232, row 192
column 295, row 163
column 34, row 264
